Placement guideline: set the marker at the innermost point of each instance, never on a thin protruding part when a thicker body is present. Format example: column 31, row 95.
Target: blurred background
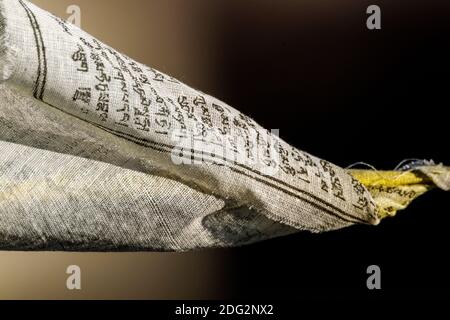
column 333, row 88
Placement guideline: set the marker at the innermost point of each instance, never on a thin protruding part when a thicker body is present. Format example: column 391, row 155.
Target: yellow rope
column 393, row 190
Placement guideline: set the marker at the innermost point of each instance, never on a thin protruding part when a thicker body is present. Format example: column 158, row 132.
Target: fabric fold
column 185, row 170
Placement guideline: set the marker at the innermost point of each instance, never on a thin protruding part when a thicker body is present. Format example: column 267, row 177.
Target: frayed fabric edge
column 395, row 190
column 439, row 174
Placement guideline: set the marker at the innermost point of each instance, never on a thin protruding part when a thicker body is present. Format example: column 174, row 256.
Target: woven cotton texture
column 99, row 152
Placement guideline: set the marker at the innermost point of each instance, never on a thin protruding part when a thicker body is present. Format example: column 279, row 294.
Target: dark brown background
column 335, row 89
